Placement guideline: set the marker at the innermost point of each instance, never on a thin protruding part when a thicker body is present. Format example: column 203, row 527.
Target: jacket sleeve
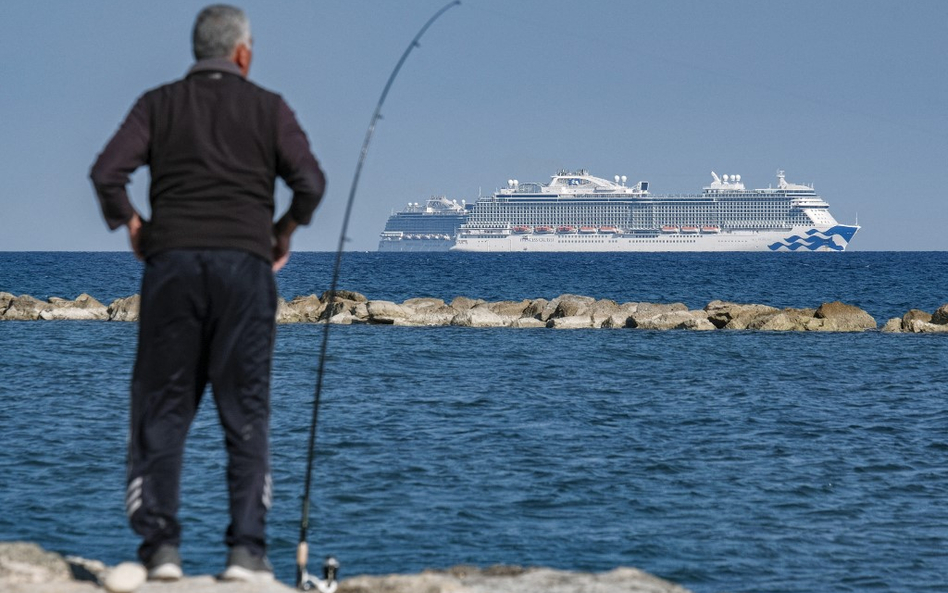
column 125, row 152
column 297, row 166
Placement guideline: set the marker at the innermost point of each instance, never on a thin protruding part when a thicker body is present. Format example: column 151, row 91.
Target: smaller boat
column 690, row 230
column 521, row 229
column 608, row 230
column 669, row 229
column 565, row 229
column 710, row 229
column 587, row 230
column 543, row 230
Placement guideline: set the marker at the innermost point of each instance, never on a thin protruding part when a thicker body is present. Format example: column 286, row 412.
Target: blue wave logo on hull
column 816, row 240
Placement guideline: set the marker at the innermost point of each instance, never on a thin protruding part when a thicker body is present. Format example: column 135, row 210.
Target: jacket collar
column 215, row 65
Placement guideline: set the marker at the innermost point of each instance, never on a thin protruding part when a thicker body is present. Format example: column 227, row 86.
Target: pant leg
column 243, row 294
column 167, row 384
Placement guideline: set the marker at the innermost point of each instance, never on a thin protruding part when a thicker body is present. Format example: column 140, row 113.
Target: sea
column 725, row 461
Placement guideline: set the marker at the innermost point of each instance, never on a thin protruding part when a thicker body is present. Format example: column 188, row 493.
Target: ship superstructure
column 577, row 211
column 429, row 227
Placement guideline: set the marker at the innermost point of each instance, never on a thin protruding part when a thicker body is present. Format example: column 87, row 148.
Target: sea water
column 724, row 461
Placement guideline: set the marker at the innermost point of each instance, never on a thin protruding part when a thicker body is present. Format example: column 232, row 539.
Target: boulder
column 616, row 321
column 24, row 563
column 84, row 308
column 386, row 312
column 913, row 314
column 535, row 308
column 462, row 303
column 125, row 309
column 345, row 295
column 892, row 326
column 785, row 320
column 344, row 318
column 338, row 306
column 422, row 303
column 571, row 305
column 527, row 322
column 570, row 322
column 645, row 311
column 841, row 317
column 303, row 309
column 669, row 320
column 432, row 316
column 728, row 315
column 478, row 317
column 917, row 326
column 5, row 298
column 940, row 317
column 25, row 308
column 513, row 309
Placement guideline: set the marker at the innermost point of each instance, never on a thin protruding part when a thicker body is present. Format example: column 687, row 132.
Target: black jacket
column 215, row 143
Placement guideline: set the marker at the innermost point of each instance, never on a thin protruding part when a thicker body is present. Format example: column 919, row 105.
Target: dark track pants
column 206, row 315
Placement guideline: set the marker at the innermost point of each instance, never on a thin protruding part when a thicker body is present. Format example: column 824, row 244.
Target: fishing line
column 304, row 581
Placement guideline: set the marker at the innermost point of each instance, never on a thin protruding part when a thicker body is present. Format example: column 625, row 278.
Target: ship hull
column 834, row 238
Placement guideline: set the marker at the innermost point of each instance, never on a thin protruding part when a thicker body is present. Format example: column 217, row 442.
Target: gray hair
column 218, row 29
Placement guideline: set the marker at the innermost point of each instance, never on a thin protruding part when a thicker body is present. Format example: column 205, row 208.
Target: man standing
column 214, row 143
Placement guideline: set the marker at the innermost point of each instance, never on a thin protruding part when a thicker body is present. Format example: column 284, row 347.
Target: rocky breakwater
column 916, row 321
column 566, row 311
column 27, row 568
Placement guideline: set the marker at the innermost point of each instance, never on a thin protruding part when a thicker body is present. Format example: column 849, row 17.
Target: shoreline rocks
column 568, row 311
column 27, row 568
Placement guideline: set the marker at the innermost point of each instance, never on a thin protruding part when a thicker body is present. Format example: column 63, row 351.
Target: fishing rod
column 305, row 581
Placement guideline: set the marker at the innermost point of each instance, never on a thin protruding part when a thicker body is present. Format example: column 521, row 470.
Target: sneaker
column 244, row 566
column 164, row 564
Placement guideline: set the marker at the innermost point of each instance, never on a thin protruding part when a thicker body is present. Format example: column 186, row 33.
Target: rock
column 345, row 295
column 915, row 314
column 344, row 318
column 386, row 312
column 841, row 317
column 535, row 308
column 616, row 321
column 463, row 303
column 478, row 317
column 432, row 316
column 512, row 309
column 728, row 315
column 422, row 303
column 125, row 309
column 917, row 326
column 699, row 323
column 84, row 308
column 527, row 322
column 27, row 563
column 338, row 306
column 675, row 319
column 302, row 309
column 785, row 320
column 507, row 579
column 24, row 308
column 5, row 298
column 571, row 322
column 940, row 317
column 125, row 578
column 893, row 325
column 571, row 305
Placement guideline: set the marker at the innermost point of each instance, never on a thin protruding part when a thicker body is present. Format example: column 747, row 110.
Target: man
column 214, row 143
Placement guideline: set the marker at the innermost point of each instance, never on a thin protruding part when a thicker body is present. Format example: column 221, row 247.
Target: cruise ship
column 429, row 227
column 576, row 211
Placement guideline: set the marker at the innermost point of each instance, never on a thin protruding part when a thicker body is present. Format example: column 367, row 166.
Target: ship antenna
column 304, row 581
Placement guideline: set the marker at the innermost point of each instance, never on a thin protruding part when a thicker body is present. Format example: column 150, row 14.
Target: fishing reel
column 308, row 582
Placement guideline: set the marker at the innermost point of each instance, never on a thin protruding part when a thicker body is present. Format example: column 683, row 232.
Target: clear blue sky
column 850, row 95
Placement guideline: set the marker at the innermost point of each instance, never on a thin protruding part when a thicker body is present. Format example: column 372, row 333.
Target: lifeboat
column 669, row 229
column 689, row 229
column 522, row 229
column 609, row 230
column 588, row 230
column 543, row 230
column 565, row 229
column 710, row 229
